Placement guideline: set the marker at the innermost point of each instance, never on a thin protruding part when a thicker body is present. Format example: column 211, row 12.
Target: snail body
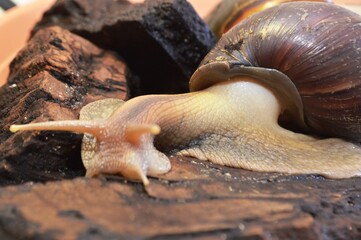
column 230, row 117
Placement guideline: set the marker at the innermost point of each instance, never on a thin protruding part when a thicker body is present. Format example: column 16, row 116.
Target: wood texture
column 51, row 79
column 162, row 41
column 196, row 200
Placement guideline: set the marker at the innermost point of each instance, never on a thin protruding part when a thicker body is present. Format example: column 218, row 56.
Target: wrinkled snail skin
column 231, row 115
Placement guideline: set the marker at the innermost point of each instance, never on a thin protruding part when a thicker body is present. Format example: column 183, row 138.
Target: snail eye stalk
column 92, row 127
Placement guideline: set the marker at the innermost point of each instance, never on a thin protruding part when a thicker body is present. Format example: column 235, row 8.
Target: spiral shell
column 230, row 12
column 312, row 47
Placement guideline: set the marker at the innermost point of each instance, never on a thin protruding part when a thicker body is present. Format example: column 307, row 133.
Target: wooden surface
column 196, row 200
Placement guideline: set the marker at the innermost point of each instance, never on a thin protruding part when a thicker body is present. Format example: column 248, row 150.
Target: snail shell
column 230, row 12
column 312, row 47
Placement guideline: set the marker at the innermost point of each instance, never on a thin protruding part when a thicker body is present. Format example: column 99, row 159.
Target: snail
column 229, row 12
column 299, row 60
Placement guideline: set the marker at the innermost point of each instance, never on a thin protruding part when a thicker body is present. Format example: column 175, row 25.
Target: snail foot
column 291, row 154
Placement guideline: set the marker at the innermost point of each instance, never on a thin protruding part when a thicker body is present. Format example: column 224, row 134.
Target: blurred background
column 202, row 6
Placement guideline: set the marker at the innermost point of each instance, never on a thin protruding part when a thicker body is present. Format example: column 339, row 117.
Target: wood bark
column 51, row 79
column 162, row 41
column 196, row 200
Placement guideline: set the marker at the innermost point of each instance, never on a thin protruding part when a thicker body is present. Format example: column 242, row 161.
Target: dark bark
column 162, row 41
column 51, row 79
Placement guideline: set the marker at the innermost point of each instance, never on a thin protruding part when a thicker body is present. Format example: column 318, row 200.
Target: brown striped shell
column 230, row 12
column 311, row 47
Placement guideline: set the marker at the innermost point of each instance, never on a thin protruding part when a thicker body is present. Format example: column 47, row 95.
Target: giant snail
column 300, row 60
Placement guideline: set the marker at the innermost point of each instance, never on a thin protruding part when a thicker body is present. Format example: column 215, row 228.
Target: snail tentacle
column 92, row 127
